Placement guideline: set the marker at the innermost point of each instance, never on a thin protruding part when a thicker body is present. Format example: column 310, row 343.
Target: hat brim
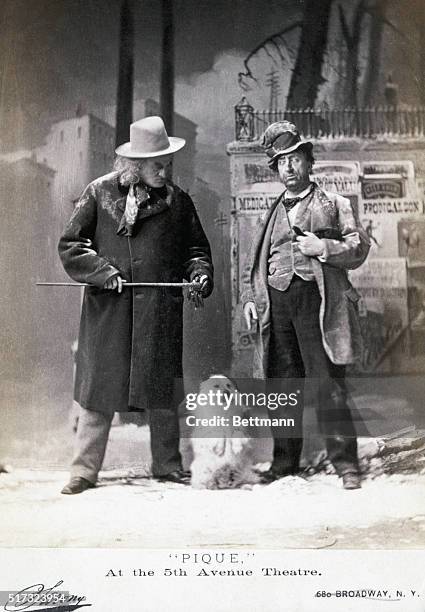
column 306, row 144
column 125, row 149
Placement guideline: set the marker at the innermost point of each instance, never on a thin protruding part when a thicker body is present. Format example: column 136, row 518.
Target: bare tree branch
column 263, row 46
column 278, row 49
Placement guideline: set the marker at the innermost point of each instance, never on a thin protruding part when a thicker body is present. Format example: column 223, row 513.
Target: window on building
column 80, row 155
column 79, row 131
column 61, row 136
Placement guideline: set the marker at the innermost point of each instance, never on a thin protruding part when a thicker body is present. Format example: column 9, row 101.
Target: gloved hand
column 203, row 282
column 200, row 288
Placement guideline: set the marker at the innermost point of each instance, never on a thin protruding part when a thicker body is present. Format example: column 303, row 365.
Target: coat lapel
column 259, row 244
column 322, row 210
column 315, row 212
column 259, row 286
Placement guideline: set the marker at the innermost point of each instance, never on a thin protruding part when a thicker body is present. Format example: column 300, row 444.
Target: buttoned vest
column 285, row 258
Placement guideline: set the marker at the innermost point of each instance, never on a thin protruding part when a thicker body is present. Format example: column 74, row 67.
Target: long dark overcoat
column 338, row 315
column 130, row 344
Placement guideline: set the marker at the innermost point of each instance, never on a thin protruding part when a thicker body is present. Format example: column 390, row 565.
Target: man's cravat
column 289, row 203
column 141, row 202
column 136, row 197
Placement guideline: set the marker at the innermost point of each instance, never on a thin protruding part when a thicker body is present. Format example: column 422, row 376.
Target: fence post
column 244, row 120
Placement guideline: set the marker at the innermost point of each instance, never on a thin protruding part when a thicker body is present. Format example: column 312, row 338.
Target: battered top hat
column 148, row 138
column 281, row 138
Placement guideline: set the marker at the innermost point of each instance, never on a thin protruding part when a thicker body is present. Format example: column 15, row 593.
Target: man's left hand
column 311, row 245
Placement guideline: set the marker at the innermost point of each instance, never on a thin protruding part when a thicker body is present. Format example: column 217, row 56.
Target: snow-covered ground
column 128, row 509
column 131, row 511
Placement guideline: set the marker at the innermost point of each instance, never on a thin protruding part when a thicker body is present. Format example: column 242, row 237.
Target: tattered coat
column 130, row 344
column 339, row 323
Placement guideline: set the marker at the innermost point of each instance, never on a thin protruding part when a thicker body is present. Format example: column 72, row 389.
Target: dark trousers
column 92, row 437
column 297, row 352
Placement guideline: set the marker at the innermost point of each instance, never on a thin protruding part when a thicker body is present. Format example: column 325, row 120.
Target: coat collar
column 154, row 194
column 158, row 201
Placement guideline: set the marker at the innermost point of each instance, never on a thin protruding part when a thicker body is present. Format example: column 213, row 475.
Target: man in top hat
column 304, row 303
column 133, row 225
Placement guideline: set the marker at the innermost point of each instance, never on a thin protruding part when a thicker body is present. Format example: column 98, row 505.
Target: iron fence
column 376, row 122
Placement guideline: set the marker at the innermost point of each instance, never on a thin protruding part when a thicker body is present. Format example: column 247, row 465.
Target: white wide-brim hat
column 148, row 138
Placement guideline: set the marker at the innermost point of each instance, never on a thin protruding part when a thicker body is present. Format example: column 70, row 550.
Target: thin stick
column 125, row 284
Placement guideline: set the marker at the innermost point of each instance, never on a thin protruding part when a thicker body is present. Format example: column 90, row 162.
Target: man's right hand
column 114, row 283
column 250, row 314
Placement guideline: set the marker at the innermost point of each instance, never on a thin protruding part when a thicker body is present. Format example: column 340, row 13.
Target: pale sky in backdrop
column 55, row 54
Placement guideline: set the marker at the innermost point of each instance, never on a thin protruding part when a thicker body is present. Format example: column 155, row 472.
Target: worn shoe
column 178, row 476
column 77, row 485
column 351, row 480
column 273, row 474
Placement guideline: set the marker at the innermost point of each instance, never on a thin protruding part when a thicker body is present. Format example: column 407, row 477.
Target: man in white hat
column 303, row 301
column 133, row 225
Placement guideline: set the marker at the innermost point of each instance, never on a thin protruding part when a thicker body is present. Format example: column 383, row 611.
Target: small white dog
column 224, row 461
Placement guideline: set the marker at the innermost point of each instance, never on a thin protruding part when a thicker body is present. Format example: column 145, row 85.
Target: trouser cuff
column 82, row 473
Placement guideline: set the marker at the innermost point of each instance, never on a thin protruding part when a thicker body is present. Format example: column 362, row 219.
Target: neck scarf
column 141, row 202
column 136, row 197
